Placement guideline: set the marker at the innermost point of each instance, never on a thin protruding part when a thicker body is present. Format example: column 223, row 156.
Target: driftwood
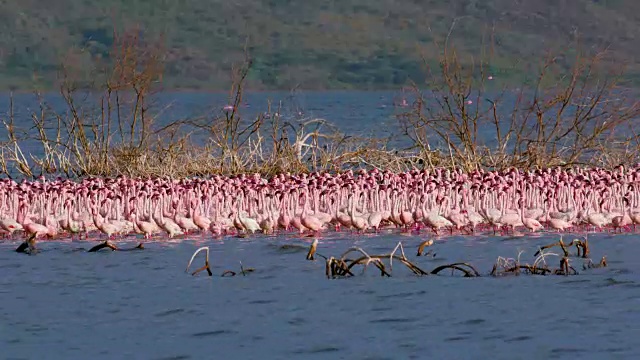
column 206, row 262
column 589, row 264
column 565, row 269
column 109, row 245
column 467, row 269
column 511, row 266
column 336, row 267
column 582, row 247
column 423, row 245
column 311, row 254
column 207, row 266
column 312, row 250
column 558, row 243
column 540, row 267
column 343, row 267
column 244, row 271
column 28, row 246
column 227, row 273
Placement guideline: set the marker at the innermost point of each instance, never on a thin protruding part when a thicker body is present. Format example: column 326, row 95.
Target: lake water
column 367, row 114
column 77, row 305
column 66, row 303
column 370, row 114
column 352, row 112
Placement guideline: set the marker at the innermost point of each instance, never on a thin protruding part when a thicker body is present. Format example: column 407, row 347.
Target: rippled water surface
column 66, row 303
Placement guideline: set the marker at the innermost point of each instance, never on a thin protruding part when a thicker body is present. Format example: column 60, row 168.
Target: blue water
column 359, row 114
column 66, row 303
column 353, row 112
column 368, row 114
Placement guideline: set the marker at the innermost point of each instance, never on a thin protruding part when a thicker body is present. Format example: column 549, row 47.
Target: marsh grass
column 110, row 124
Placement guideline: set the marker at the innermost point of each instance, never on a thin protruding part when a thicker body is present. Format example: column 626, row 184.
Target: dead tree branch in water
column 589, row 264
column 28, row 246
column 109, row 245
column 582, row 247
column 312, row 250
column 467, row 269
column 206, row 262
column 423, row 245
column 207, row 266
column 343, row 267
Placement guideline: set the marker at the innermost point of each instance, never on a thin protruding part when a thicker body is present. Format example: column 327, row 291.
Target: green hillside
column 312, row 44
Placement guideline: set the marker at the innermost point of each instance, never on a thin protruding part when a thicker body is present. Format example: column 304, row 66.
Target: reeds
column 110, row 124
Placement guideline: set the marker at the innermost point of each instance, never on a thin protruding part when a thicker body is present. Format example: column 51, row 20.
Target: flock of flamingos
column 441, row 201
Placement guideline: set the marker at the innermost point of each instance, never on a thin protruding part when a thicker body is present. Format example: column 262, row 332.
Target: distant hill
column 368, row 44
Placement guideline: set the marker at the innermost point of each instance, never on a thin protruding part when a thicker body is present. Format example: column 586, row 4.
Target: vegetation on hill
column 309, row 44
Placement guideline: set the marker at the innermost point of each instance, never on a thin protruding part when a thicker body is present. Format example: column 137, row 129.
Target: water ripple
column 567, row 350
column 288, row 248
column 402, row 295
column 296, row 321
column 577, row 281
column 472, row 322
column 393, row 320
column 382, row 309
column 10, row 265
column 70, row 300
column 519, row 338
column 614, row 282
column 213, row 333
column 457, row 338
column 321, row 349
column 261, row 302
column 169, row 312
